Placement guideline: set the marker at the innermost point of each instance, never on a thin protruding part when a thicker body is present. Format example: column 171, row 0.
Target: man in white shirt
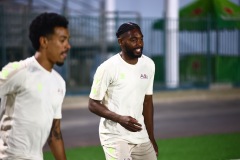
column 32, row 93
column 121, row 95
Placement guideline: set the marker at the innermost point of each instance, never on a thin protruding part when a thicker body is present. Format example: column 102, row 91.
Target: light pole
column 65, row 7
column 171, row 44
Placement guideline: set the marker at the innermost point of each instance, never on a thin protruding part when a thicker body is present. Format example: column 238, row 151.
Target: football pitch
column 206, row 147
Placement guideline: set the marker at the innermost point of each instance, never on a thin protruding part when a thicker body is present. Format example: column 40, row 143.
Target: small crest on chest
column 144, row 76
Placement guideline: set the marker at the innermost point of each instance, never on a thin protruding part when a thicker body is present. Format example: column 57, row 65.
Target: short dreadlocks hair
column 125, row 27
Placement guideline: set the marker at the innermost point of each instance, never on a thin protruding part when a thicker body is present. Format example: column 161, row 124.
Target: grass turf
column 208, row 147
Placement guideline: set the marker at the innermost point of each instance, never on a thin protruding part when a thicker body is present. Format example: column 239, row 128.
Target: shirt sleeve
column 101, row 81
column 58, row 112
column 151, row 80
column 9, row 78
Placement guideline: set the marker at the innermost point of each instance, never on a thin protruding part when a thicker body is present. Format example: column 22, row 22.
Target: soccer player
column 32, row 93
column 121, row 95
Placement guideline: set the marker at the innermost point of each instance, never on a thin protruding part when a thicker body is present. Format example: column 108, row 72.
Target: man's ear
column 43, row 41
column 120, row 41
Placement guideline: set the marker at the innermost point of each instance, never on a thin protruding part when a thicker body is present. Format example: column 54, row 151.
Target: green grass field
column 209, row 147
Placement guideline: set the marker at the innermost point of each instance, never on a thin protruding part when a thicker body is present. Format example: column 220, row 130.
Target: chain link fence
column 204, row 57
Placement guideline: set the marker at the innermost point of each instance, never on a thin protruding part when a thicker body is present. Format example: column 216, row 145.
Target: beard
column 59, row 64
column 131, row 54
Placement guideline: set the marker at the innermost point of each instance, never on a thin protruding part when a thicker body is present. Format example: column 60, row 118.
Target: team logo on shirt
column 144, row 76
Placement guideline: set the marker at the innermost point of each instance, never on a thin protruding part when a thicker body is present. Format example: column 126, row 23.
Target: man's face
column 58, row 46
column 132, row 43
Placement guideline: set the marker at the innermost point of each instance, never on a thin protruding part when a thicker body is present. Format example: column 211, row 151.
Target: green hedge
column 201, row 69
column 228, row 69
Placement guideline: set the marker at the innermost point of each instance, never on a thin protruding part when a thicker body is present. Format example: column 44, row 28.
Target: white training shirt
column 31, row 97
column 122, row 88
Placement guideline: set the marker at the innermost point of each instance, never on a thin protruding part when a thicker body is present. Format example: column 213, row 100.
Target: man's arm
column 127, row 122
column 55, row 141
column 148, row 119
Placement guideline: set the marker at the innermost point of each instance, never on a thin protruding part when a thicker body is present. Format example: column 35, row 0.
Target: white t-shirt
column 31, row 97
column 122, row 88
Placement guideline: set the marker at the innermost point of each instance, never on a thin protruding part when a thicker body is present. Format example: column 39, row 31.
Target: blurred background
column 193, row 43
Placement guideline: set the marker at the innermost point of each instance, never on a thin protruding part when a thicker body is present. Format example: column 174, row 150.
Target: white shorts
column 126, row 151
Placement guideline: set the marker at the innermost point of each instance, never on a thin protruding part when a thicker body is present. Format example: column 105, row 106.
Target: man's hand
column 129, row 123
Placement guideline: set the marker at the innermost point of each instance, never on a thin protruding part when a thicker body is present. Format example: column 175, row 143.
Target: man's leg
column 118, row 151
column 144, row 151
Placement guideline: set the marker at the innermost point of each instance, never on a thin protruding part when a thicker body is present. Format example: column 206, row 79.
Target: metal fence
column 204, row 57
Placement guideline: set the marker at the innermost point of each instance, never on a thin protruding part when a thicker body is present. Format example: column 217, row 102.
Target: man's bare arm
column 127, row 122
column 55, row 141
column 148, row 119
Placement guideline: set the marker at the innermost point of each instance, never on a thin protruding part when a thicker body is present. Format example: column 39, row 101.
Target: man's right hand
column 129, row 123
